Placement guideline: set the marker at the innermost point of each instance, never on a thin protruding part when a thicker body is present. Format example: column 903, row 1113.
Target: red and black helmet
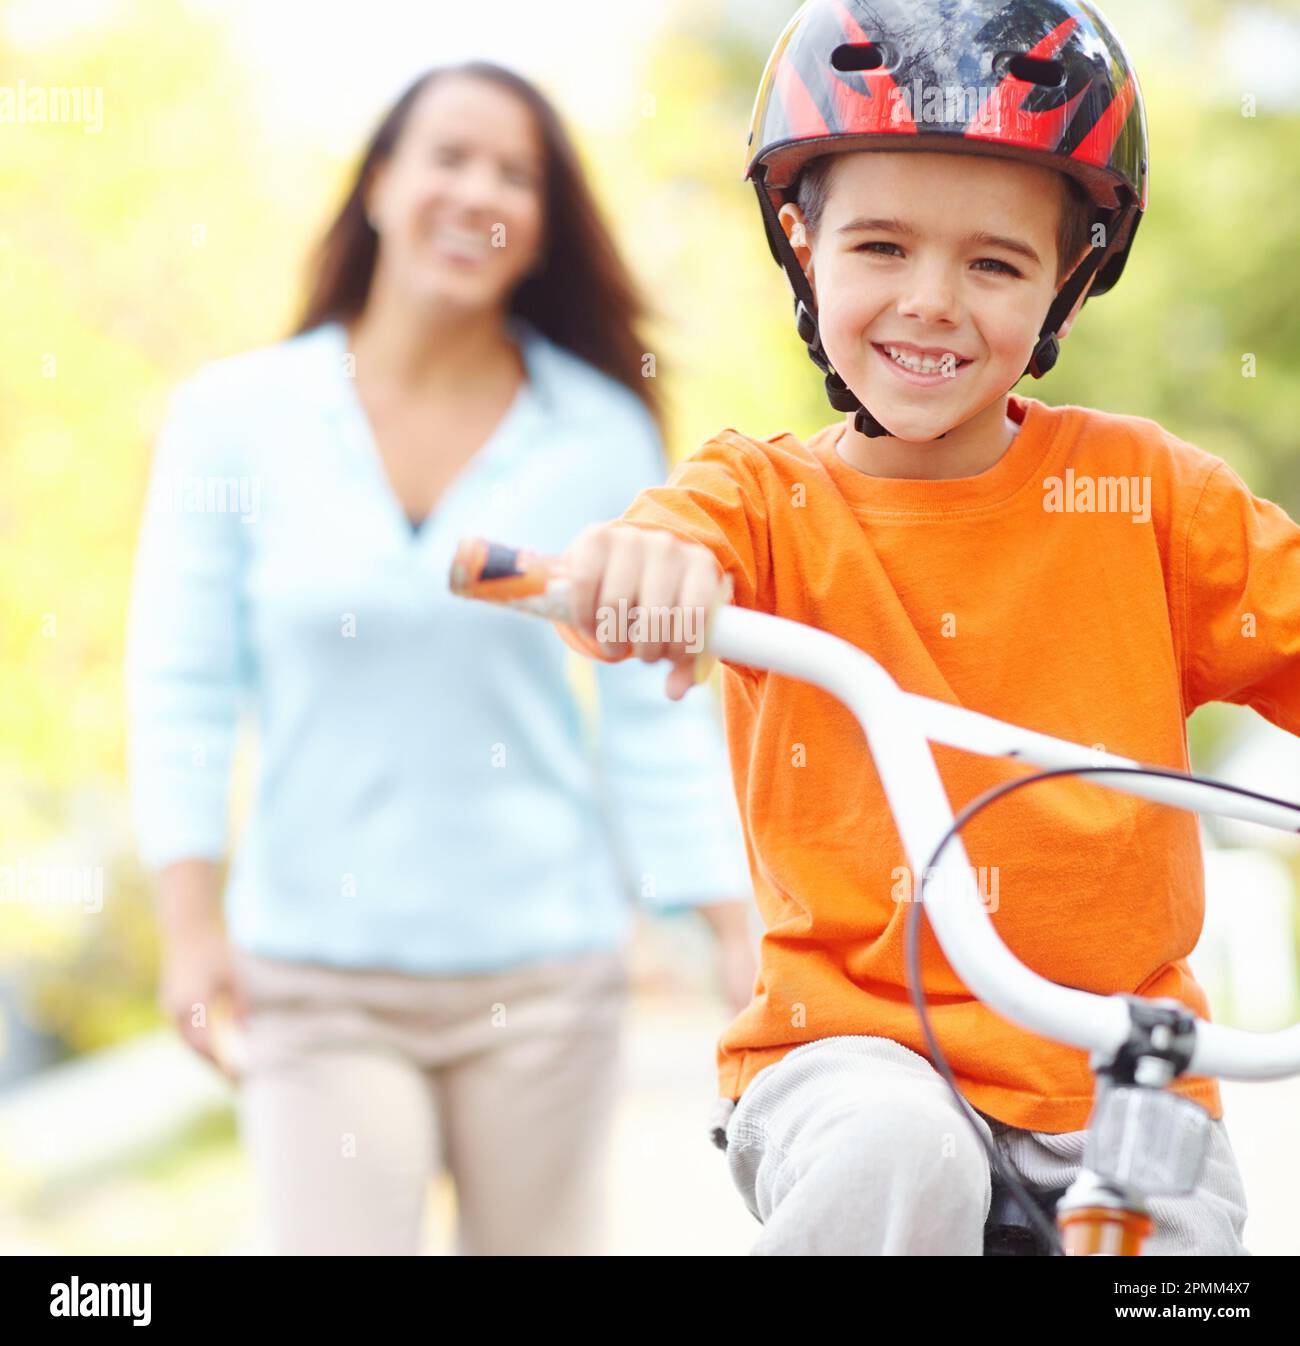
column 1046, row 81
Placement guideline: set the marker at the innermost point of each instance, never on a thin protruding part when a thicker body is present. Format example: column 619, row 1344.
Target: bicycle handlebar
column 899, row 726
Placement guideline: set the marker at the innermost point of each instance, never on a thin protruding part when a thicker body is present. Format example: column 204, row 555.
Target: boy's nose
column 929, row 298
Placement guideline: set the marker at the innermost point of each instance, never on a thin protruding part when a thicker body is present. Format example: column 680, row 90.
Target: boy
column 1083, row 574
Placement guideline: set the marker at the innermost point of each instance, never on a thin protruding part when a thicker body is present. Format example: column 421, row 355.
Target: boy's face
column 949, row 253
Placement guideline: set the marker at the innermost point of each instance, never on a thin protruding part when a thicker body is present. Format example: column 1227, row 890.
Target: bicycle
column 1142, row 1140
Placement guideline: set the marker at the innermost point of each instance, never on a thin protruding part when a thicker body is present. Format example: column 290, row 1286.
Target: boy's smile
column 921, row 364
column 932, row 273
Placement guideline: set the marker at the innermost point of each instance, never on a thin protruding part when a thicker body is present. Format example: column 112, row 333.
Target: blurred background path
column 671, row 1193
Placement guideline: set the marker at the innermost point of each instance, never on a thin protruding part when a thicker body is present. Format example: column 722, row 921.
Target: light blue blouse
column 428, row 797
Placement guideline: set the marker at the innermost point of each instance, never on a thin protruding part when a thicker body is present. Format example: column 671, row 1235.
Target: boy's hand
column 673, row 582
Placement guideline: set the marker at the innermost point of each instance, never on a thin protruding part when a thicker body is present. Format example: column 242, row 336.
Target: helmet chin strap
column 1047, row 350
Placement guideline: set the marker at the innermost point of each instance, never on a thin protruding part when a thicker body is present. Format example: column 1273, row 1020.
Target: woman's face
column 459, row 205
column 940, row 255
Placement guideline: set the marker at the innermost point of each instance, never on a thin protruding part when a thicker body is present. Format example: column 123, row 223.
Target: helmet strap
column 1048, row 350
column 838, row 393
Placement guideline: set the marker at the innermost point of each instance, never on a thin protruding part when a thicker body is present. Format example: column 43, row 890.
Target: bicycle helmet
column 1045, row 81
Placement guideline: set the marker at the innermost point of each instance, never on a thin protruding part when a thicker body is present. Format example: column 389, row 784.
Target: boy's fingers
column 620, row 580
column 681, row 679
column 700, row 589
column 584, row 562
column 660, row 594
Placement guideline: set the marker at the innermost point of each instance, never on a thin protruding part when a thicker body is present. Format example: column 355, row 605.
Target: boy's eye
column 1004, row 268
column 993, row 261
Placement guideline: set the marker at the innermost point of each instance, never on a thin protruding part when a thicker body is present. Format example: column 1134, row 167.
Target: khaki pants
column 351, row 1076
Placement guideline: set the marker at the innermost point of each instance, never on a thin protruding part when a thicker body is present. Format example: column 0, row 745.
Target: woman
column 425, row 917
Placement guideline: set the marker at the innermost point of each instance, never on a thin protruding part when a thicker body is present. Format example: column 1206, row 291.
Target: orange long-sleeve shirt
column 1097, row 583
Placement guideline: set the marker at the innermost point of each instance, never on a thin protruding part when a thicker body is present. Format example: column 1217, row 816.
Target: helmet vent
column 1048, row 74
column 859, row 56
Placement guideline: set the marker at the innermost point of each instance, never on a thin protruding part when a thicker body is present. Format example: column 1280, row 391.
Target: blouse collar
column 534, row 347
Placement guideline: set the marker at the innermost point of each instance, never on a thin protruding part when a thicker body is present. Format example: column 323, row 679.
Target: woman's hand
column 198, row 989
column 198, row 992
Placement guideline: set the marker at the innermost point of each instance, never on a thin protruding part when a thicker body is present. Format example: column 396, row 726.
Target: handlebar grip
column 513, row 576
column 533, row 582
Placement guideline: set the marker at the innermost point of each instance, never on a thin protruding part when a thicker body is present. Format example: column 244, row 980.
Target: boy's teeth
column 922, row 364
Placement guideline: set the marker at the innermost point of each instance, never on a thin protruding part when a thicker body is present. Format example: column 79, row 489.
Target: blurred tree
column 165, row 229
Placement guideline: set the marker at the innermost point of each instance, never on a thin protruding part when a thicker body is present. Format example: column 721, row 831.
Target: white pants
column 855, row 1145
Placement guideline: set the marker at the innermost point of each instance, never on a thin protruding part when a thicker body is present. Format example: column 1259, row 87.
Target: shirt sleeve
column 183, row 661
column 714, row 498
column 663, row 765
column 1242, row 602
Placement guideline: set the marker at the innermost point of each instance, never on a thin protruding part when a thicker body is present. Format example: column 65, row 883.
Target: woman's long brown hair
column 582, row 296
